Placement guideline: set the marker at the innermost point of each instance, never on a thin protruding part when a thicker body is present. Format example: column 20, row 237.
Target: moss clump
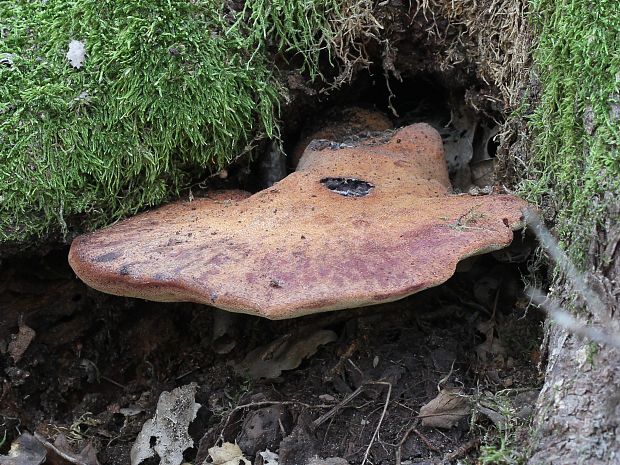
column 575, row 167
column 168, row 89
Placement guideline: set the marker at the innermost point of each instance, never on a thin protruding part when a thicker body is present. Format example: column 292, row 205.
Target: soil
column 97, row 365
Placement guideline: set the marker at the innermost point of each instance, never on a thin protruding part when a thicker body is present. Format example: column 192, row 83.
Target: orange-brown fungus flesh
column 351, row 227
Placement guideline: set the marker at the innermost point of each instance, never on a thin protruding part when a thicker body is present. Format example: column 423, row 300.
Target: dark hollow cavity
column 348, row 187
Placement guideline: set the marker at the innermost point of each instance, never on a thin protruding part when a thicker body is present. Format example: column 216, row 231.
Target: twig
column 413, row 429
column 76, row 460
column 424, row 439
column 567, row 321
column 264, row 404
column 115, row 383
column 346, row 355
column 445, row 379
column 399, row 449
column 561, row 316
column 326, row 416
column 461, row 451
column 385, row 406
column 187, row 373
column 563, row 262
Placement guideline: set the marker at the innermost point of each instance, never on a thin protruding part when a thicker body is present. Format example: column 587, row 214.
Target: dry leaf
column 21, row 342
column 25, row 450
column 492, row 345
column 227, row 454
column 269, row 458
column 445, row 410
column 285, row 353
column 168, row 428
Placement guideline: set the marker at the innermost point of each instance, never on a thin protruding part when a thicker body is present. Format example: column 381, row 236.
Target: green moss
column 592, row 350
column 575, row 167
column 168, row 89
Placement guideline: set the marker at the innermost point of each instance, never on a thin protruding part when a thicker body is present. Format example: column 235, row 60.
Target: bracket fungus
column 353, row 226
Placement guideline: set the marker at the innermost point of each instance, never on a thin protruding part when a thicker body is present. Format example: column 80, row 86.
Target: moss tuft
column 575, row 166
column 168, row 89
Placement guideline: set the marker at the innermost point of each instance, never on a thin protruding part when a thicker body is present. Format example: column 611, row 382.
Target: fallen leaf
column 168, row 429
column 269, row 458
column 285, row 353
column 263, row 428
column 25, row 450
column 224, row 330
column 445, row 410
column 492, row 346
column 21, row 341
column 227, row 454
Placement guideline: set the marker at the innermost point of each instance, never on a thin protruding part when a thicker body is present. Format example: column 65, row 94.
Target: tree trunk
column 578, row 410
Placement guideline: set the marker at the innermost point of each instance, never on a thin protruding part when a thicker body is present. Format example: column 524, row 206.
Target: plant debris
column 166, row 434
column 25, row 450
column 285, row 353
column 227, row 454
column 446, row 410
column 61, row 451
column 21, row 341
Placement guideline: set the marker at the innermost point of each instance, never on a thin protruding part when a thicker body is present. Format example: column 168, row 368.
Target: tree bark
column 578, row 410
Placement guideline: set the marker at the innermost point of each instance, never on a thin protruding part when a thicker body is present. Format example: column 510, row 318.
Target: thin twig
column 578, row 280
column 461, row 451
column 187, row 373
column 399, row 449
column 563, row 262
column 567, row 321
column 429, row 445
column 413, row 429
column 326, row 416
column 115, row 383
column 74, row 459
column 385, row 406
column 265, row 403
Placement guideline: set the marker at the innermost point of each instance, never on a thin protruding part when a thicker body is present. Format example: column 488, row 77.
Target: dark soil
column 97, row 365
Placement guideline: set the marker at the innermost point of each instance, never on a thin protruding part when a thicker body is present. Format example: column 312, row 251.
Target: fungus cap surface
column 351, row 227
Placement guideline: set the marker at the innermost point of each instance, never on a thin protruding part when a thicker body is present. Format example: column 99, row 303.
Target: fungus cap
column 353, row 226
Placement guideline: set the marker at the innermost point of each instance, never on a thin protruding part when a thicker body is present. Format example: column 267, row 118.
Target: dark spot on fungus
column 124, row 271
column 348, row 187
column 275, row 283
column 108, row 257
